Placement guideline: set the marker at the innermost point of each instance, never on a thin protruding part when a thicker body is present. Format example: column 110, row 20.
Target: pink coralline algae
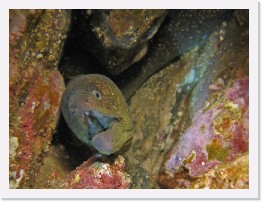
column 37, row 122
column 35, row 88
column 192, row 146
column 219, row 134
column 238, row 93
column 94, row 174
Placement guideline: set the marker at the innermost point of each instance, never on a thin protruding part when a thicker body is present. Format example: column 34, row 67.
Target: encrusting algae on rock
column 94, row 174
column 219, row 134
column 173, row 131
column 190, row 117
column 35, row 88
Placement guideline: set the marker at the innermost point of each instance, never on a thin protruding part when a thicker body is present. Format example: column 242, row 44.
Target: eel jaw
column 98, row 130
column 98, row 122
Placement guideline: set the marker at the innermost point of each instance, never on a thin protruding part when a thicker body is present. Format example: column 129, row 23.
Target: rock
column 190, row 118
column 35, row 86
column 121, row 36
column 35, row 124
column 152, row 112
column 94, row 174
column 219, row 133
column 181, row 31
column 54, row 169
column 98, row 172
column 20, row 20
column 233, row 175
column 172, row 100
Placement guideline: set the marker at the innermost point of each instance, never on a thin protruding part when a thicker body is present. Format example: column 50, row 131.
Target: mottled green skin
column 97, row 93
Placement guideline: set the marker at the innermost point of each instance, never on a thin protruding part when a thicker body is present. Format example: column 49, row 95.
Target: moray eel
column 97, row 113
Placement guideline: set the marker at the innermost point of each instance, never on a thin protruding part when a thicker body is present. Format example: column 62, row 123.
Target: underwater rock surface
column 188, row 99
column 35, row 87
column 233, row 175
column 94, row 174
column 120, row 37
column 181, row 31
column 54, row 168
column 169, row 102
column 219, row 133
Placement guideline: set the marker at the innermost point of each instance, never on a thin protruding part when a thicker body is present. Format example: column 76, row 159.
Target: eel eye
column 97, row 94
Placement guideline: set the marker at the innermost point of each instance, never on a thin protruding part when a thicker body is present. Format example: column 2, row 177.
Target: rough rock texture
column 94, row 174
column 20, row 20
column 35, row 86
column 98, row 172
column 233, row 175
column 190, row 118
column 166, row 105
column 121, row 36
column 219, row 133
column 180, row 32
column 54, row 169
column 152, row 114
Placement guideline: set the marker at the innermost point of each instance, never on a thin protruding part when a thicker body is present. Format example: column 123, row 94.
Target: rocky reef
column 218, row 135
column 170, row 117
column 184, row 73
column 93, row 174
column 35, row 88
column 120, row 37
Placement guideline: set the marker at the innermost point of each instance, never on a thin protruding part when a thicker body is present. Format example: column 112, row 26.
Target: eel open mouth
column 98, row 122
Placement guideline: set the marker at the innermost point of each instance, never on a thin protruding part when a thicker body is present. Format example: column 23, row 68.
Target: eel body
column 96, row 112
